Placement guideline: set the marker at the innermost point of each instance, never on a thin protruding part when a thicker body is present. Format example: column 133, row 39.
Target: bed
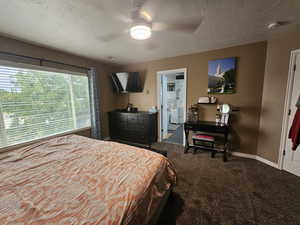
column 78, row 180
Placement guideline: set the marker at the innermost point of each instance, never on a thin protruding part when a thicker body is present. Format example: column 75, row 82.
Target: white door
column 291, row 161
column 162, row 87
column 179, row 88
column 164, row 108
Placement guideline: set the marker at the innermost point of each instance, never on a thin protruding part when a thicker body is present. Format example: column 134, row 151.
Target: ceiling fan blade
column 112, row 36
column 137, row 6
column 151, row 46
column 176, row 27
column 124, row 19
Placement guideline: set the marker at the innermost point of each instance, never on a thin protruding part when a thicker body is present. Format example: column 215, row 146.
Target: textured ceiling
column 90, row 27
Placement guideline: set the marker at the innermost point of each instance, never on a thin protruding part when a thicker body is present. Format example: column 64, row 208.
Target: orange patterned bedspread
column 81, row 181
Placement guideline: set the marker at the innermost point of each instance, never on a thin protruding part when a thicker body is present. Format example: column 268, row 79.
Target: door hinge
column 162, row 130
column 162, row 106
column 289, row 113
column 284, row 152
column 295, row 66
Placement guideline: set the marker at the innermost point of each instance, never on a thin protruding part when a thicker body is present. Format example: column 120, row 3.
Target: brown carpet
column 239, row 192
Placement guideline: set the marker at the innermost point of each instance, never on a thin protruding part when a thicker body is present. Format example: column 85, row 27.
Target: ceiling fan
column 142, row 24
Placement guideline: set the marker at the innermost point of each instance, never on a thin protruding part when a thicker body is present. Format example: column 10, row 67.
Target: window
column 36, row 104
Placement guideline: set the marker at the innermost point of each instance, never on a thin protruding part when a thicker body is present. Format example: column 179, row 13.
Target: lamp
column 140, row 32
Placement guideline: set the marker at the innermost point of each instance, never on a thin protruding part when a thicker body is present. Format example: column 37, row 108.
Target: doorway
column 172, row 105
column 290, row 160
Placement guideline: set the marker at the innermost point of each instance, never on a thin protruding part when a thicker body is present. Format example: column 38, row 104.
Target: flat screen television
column 125, row 82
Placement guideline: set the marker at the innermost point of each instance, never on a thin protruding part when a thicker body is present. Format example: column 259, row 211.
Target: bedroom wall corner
column 275, row 82
column 248, row 96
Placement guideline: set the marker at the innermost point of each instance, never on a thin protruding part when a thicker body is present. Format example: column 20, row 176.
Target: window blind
column 36, row 104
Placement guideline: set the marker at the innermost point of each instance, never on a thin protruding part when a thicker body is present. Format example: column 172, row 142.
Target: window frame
column 46, row 69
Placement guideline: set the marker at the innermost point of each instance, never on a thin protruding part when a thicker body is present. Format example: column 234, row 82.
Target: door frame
column 159, row 92
column 287, row 105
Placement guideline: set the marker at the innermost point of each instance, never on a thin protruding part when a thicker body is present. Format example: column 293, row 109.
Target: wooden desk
column 209, row 127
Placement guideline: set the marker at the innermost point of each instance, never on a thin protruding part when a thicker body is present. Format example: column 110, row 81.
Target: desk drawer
column 190, row 127
column 221, row 129
column 207, row 128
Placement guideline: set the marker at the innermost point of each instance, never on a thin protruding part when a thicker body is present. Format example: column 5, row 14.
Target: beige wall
column 258, row 88
column 249, row 81
column 275, row 82
column 107, row 96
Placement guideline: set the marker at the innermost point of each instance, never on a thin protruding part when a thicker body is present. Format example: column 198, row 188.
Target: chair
column 202, row 139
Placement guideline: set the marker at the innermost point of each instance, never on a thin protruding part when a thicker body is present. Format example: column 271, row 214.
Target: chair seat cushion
column 203, row 137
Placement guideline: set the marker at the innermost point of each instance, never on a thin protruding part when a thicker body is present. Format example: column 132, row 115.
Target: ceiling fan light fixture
column 140, row 32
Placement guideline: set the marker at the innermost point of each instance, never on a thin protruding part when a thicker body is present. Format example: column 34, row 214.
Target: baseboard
column 275, row 165
column 256, row 157
column 243, row 155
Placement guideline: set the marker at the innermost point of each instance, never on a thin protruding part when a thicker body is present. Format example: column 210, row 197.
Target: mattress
column 78, row 180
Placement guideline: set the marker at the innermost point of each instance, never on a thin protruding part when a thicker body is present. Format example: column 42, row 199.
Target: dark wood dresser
column 135, row 127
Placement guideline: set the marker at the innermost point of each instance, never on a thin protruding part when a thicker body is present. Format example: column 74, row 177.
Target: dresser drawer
column 131, row 118
column 138, row 127
column 135, row 127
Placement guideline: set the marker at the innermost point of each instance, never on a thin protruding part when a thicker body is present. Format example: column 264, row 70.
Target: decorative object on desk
column 212, row 99
column 193, row 114
column 224, row 110
column 207, row 100
column 221, row 76
column 204, row 99
column 218, row 118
